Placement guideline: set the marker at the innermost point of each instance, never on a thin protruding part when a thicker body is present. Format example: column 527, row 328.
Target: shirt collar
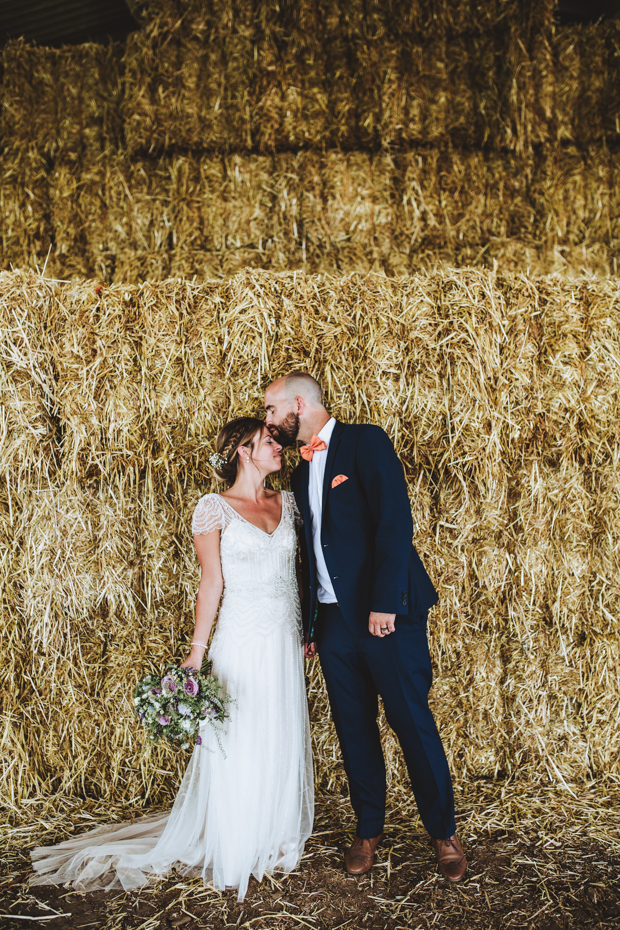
column 328, row 429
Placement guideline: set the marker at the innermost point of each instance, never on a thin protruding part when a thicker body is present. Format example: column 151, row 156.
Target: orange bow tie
column 315, row 445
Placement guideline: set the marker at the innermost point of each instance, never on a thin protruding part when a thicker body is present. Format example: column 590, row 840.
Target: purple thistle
column 168, row 684
column 164, row 720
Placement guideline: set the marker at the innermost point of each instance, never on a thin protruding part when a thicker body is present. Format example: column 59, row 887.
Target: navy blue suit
column 366, row 534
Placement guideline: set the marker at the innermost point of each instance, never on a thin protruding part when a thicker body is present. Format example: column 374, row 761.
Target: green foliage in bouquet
column 176, row 705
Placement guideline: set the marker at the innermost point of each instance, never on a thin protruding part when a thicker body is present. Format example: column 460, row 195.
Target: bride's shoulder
column 288, row 500
column 208, row 515
column 213, row 501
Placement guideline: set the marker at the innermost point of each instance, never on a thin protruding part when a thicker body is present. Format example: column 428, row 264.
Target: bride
column 248, row 809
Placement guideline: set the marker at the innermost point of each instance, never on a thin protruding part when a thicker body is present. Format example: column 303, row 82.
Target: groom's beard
column 287, row 431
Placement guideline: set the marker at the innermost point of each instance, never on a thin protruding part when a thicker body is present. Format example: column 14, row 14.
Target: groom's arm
column 383, row 480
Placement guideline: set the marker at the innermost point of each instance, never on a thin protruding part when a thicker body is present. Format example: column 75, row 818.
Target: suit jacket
column 366, row 532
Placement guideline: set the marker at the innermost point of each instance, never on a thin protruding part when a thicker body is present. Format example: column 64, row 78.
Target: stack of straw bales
column 326, row 136
column 502, row 395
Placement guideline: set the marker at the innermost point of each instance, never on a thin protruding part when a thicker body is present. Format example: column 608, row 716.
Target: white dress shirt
column 325, row 591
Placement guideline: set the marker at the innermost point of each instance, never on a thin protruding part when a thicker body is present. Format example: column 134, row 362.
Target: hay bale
column 155, row 380
column 140, row 225
column 200, row 194
column 91, row 559
column 559, row 592
column 423, row 142
column 267, row 78
column 586, row 70
column 78, row 215
column 28, row 437
column 203, row 217
column 600, row 431
column 467, row 209
column 130, row 221
column 25, row 228
column 543, row 679
column 248, row 214
column 576, row 208
column 296, row 83
column 501, row 397
column 594, row 76
column 351, row 217
column 188, row 78
column 480, row 383
column 392, row 350
column 611, row 88
column 57, row 567
column 95, row 340
column 184, row 364
column 60, row 119
column 64, row 101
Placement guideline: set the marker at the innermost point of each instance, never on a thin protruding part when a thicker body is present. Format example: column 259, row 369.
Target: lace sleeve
column 297, row 517
column 208, row 515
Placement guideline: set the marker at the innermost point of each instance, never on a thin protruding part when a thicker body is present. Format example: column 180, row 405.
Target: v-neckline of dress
column 249, row 522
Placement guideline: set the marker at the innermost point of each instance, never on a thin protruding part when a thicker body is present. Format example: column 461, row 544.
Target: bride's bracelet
column 204, row 645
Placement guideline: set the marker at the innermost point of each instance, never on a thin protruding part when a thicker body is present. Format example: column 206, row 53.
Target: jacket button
column 336, row 576
column 404, row 599
column 325, row 545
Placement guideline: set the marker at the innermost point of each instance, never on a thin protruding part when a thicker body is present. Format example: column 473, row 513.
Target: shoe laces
column 443, row 846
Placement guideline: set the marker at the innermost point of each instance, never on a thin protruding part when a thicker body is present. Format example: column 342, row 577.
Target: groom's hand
column 309, row 649
column 381, row 624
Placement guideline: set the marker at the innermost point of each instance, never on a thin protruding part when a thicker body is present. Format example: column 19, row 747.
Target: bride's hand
column 194, row 659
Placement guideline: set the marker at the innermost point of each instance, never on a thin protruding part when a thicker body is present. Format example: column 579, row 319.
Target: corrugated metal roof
column 569, row 12
column 59, row 22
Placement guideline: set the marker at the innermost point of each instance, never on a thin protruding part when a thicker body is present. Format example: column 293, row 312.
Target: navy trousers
column 398, row 667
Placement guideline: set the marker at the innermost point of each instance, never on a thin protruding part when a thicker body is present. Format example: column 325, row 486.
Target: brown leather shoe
column 360, row 857
column 451, row 860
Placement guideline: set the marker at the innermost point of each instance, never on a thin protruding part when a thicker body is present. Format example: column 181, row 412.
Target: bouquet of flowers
column 175, row 706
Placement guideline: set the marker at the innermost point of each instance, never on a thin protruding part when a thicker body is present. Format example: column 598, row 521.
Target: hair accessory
column 217, row 460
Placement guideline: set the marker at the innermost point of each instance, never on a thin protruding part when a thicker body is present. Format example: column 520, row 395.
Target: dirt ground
column 542, row 858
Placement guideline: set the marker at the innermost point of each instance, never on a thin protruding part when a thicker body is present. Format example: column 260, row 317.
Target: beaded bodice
column 260, row 583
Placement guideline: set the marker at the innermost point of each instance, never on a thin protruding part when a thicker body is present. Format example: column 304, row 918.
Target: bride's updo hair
column 239, row 432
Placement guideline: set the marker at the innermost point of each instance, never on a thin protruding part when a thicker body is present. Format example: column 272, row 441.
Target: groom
column 366, row 601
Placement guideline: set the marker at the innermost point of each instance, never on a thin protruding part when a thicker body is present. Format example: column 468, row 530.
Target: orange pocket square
column 338, row 480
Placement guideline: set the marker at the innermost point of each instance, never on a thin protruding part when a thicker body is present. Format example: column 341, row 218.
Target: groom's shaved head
column 293, row 403
column 301, row 384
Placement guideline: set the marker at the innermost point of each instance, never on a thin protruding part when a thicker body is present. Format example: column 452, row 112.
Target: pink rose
column 190, row 687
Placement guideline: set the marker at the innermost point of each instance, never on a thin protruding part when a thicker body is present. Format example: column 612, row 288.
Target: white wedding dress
column 248, row 809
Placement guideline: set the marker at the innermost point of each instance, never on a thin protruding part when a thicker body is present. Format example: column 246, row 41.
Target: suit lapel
column 331, row 455
column 304, row 479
